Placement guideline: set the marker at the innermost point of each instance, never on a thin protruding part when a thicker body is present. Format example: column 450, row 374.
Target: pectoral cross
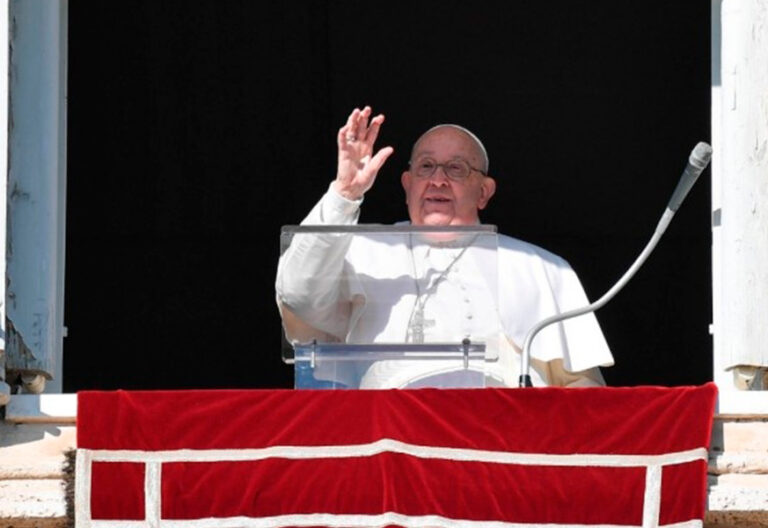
column 418, row 324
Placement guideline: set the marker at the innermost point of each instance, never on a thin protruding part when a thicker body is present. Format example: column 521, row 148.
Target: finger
column 348, row 133
column 362, row 123
column 373, row 131
column 378, row 160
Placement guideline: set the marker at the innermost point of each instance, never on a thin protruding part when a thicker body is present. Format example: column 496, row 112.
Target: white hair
column 473, row 137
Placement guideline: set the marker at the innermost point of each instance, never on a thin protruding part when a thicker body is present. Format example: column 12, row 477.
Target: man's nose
column 439, row 177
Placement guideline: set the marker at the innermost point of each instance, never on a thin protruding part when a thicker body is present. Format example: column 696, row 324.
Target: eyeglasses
column 456, row 169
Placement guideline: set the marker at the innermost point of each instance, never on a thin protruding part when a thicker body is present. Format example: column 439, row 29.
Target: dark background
column 197, row 129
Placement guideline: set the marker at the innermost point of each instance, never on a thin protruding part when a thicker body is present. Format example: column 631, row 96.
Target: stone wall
column 738, row 472
column 33, row 443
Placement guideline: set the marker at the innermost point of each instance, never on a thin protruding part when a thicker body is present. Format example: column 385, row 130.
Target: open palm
column 358, row 165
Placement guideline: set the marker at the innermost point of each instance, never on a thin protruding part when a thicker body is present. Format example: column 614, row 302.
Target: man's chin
column 437, row 219
column 440, row 218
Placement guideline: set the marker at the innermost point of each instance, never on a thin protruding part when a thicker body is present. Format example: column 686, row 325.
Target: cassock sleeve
column 536, row 284
column 311, row 279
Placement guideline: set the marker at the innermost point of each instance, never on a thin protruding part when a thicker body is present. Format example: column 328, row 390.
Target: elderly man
column 446, row 184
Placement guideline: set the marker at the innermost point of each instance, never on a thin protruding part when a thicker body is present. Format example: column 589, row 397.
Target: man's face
column 439, row 200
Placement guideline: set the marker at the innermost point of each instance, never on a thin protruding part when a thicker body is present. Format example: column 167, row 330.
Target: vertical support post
column 5, row 391
column 36, row 190
column 715, row 329
column 740, row 134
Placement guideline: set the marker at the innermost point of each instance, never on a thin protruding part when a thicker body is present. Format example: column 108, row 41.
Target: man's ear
column 405, row 181
column 487, row 189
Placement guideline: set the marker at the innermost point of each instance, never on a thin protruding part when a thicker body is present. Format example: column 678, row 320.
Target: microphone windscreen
column 700, row 155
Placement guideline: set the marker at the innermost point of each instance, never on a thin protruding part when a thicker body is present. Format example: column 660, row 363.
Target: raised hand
column 358, row 165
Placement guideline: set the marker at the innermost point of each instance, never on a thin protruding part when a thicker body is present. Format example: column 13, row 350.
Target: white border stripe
column 125, row 524
column 152, row 494
column 362, row 521
column 82, row 488
column 394, row 446
column 652, row 499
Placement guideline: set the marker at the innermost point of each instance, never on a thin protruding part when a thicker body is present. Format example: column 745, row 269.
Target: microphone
column 697, row 162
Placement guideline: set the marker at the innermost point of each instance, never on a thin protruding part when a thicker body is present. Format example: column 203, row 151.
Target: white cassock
column 361, row 290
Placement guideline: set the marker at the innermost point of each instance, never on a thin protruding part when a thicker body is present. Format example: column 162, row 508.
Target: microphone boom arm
column 697, row 162
column 525, row 378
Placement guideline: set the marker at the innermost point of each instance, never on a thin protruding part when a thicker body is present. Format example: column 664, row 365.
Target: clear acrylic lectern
column 370, row 306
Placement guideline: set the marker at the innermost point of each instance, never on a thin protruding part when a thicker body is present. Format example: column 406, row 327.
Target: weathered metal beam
column 36, row 190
